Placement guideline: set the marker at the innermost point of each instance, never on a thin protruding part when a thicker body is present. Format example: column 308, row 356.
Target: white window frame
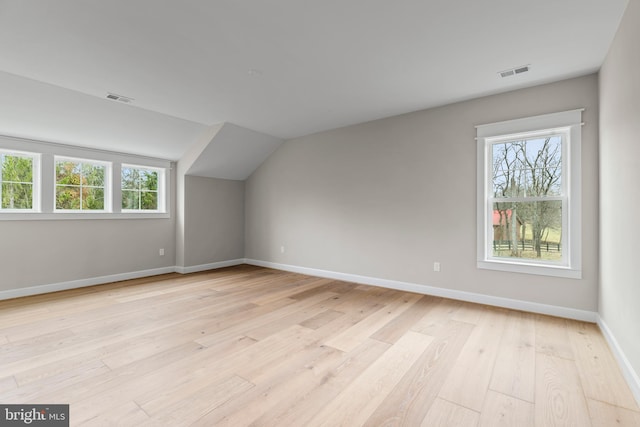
column 569, row 125
column 107, row 184
column 45, row 179
column 161, row 188
column 35, row 183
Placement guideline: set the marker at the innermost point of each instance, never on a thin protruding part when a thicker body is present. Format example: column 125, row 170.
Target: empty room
column 305, row 213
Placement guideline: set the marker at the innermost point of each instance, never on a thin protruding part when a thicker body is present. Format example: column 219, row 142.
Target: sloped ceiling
column 282, row 68
column 233, row 153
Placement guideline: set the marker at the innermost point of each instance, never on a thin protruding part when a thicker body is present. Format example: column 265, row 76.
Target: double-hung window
column 529, row 195
column 142, row 189
column 19, row 181
column 46, row 181
column 81, row 185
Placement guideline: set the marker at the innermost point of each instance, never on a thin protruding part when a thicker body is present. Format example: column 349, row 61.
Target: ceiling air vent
column 513, row 71
column 120, row 98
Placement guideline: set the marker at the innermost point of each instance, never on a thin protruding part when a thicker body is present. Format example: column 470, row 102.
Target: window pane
column 67, row 197
column 93, row 175
column 17, row 169
column 528, row 230
column 149, row 200
column 130, row 199
column 148, row 180
column 17, row 196
column 92, row 198
column 80, row 185
column 68, row 173
column 140, row 188
column 527, row 168
column 16, row 180
column 129, row 178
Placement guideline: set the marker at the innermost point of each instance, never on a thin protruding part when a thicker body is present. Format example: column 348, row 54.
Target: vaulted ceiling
column 281, row 68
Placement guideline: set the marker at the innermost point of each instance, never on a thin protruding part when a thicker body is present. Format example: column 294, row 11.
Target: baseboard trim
column 93, row 281
column 82, row 283
column 210, row 266
column 551, row 310
column 632, row 377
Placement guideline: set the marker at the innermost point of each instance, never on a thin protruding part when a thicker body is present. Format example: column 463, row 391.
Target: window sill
column 39, row 216
column 541, row 270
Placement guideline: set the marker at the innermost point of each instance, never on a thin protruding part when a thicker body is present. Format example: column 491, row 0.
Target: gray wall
column 386, row 199
column 36, row 252
column 619, row 180
column 214, row 220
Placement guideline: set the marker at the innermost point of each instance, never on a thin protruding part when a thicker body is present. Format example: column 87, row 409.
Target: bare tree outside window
column 527, row 198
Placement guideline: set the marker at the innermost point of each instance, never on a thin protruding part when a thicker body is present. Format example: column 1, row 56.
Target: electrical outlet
column 436, row 266
column 161, row 252
column 281, row 249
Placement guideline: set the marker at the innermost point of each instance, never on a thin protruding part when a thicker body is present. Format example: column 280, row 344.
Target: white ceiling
column 283, row 68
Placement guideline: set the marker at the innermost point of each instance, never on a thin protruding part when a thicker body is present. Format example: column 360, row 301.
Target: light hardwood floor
column 253, row 346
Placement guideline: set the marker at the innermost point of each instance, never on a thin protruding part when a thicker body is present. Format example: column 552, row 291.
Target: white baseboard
column 552, row 310
column 211, row 266
column 74, row 284
column 92, row 281
column 632, row 377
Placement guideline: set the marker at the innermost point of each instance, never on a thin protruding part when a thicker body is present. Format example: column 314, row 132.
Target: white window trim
column 46, row 180
column 571, row 267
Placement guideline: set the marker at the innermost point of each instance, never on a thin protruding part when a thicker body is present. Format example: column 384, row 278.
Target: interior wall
column 183, row 165
column 214, row 220
column 619, row 179
column 36, row 252
column 388, row 198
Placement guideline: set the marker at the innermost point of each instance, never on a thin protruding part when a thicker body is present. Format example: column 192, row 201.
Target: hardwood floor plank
column 552, row 337
column 501, row 410
column 360, row 398
column 358, row 333
column 607, row 415
column 409, row 402
column 468, row 312
column 65, row 370
column 514, row 372
column 468, row 382
column 438, row 312
column 7, row 384
column 446, row 414
column 154, row 389
column 16, row 350
column 193, row 406
column 78, row 388
column 321, row 319
column 267, row 316
column 293, row 292
column 129, row 414
column 599, row 373
column 331, row 379
column 297, row 317
column 559, row 396
column 394, row 329
column 288, row 379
